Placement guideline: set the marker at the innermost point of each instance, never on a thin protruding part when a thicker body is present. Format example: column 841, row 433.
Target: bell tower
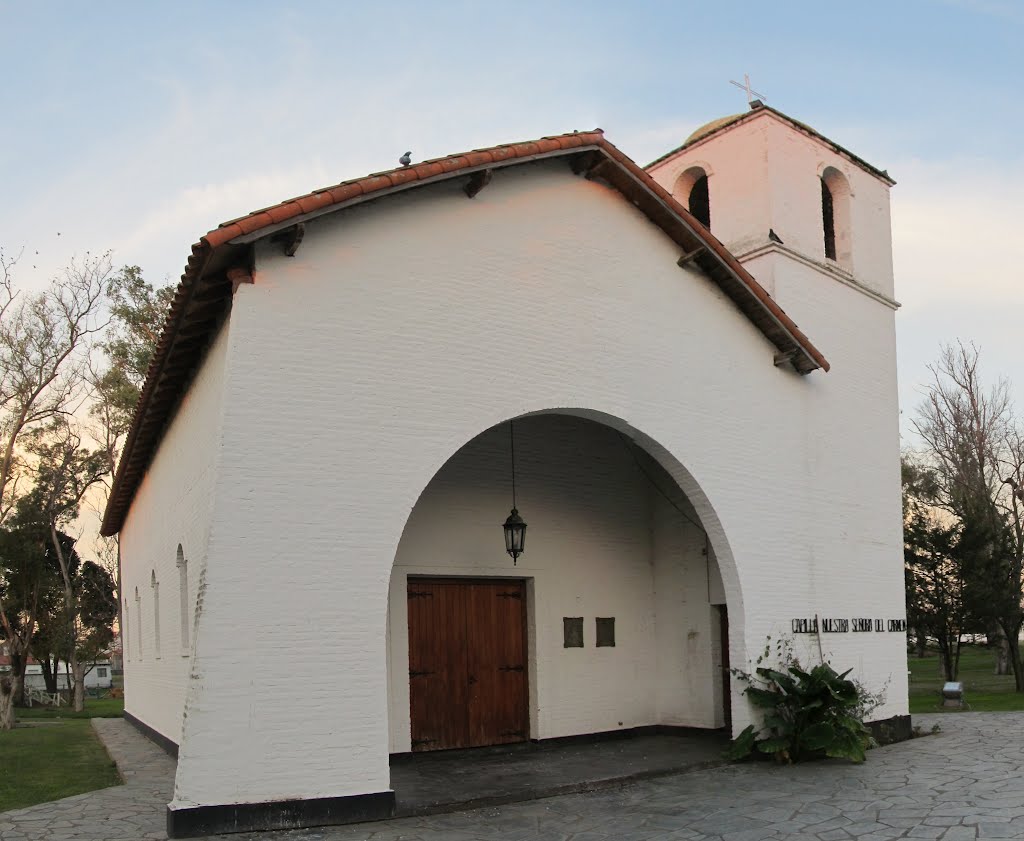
column 809, row 219
column 801, row 212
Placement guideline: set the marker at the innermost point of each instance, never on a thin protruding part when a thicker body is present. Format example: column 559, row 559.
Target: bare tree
column 45, row 340
column 973, row 442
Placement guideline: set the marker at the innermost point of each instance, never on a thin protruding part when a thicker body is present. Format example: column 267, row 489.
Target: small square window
column 572, row 632
column 101, row 671
column 606, row 632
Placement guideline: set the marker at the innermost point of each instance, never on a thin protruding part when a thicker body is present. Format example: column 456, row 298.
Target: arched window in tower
column 835, row 217
column 156, row 612
column 183, row 596
column 692, row 191
column 700, row 201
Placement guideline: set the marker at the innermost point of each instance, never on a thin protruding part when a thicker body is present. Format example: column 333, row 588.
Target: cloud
column 172, row 224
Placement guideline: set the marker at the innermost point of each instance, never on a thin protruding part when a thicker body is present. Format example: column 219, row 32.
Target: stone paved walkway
column 132, row 812
column 965, row 783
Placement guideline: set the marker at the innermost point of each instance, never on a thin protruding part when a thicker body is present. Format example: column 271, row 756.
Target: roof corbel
column 477, row 181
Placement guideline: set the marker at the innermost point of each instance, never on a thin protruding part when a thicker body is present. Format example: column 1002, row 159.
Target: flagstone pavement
column 966, row 782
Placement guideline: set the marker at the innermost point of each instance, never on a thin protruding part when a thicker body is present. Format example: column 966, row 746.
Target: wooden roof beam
column 690, row 256
column 477, row 181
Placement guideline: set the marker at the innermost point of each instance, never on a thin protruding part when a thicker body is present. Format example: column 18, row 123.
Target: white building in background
column 99, row 676
column 323, row 451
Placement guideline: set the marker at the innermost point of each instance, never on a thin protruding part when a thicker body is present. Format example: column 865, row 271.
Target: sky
column 136, row 127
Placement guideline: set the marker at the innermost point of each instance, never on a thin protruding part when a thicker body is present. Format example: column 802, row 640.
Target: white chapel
column 682, row 378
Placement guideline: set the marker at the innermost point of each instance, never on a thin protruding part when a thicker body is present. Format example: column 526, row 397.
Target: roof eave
column 205, row 289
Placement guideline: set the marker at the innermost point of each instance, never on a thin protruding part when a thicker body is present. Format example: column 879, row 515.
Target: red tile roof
column 201, row 298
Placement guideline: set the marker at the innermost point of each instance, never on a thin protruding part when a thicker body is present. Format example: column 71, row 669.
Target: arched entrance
column 614, row 618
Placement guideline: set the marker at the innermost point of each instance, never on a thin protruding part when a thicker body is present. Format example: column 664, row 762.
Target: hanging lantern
column 515, row 535
column 514, row 527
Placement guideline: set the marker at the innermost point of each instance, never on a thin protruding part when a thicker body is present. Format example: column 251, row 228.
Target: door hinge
column 513, row 595
column 510, row 668
column 413, row 673
column 518, row 733
column 417, row 742
column 419, row 594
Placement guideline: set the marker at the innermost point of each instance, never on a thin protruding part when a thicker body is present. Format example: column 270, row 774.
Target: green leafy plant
column 807, row 713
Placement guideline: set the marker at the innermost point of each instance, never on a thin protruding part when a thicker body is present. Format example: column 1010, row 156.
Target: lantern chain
column 512, row 442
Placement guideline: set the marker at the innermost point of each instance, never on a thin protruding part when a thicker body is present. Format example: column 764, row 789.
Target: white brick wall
column 406, row 327
column 173, row 506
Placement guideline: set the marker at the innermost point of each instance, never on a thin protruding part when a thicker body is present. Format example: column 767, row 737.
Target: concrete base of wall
column 889, row 730
column 154, row 736
column 578, row 739
column 198, row 821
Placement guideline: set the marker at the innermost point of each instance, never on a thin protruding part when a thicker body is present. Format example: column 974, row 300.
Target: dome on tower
column 712, row 127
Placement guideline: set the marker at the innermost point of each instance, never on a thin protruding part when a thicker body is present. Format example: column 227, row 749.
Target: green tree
column 138, row 311
column 26, row 588
column 934, row 572
column 97, row 608
column 65, row 470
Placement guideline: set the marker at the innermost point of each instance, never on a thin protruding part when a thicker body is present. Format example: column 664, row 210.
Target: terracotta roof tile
column 173, row 361
column 479, row 158
column 404, row 176
column 374, row 183
column 282, row 212
column 431, row 169
column 222, row 235
column 346, row 192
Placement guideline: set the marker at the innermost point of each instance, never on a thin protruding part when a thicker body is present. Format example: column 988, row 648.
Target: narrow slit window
column 138, row 623
column 606, row 632
column 125, row 618
column 183, row 598
column 828, row 220
column 572, row 632
column 156, row 613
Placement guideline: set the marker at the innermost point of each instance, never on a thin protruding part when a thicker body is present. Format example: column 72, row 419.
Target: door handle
column 472, row 679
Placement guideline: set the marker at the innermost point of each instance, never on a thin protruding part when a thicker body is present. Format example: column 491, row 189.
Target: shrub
column 806, row 713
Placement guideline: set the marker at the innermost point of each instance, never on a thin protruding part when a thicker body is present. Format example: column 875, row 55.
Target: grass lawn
column 58, row 757
column 94, row 708
column 48, row 762
column 983, row 691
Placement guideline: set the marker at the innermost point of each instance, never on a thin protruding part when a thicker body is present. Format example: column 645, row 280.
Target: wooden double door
column 467, row 663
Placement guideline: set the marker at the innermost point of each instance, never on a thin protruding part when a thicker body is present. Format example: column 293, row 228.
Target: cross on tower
column 751, row 93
